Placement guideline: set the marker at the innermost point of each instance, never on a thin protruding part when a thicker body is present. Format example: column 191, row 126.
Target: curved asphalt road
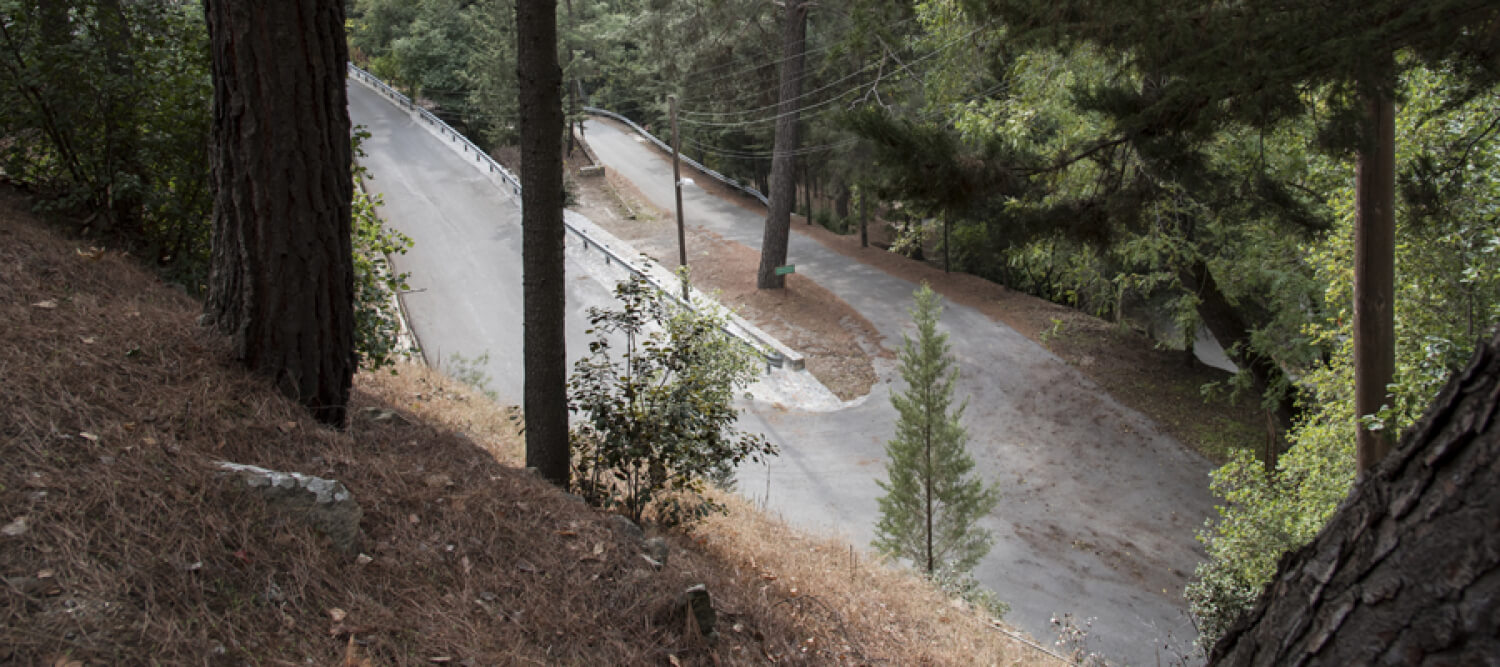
column 1099, row 506
column 465, row 262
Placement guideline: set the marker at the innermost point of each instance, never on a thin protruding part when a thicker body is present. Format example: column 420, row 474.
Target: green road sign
column 783, row 270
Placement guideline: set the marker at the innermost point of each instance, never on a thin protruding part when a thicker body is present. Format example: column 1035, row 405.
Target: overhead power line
column 809, row 150
column 754, row 155
column 704, row 84
column 771, row 119
column 871, row 65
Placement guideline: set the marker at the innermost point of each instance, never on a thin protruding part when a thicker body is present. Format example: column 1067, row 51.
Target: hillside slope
column 122, row 544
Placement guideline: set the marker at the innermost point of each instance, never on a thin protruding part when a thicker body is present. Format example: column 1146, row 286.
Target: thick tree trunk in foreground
column 1407, row 572
column 784, row 161
column 282, row 275
column 1374, row 274
column 541, row 115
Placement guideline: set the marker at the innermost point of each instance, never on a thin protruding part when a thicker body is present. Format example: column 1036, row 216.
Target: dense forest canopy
column 1192, row 160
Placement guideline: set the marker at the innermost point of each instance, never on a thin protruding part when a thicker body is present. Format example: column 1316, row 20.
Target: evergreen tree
column 544, row 299
column 931, row 500
column 281, row 280
column 783, row 194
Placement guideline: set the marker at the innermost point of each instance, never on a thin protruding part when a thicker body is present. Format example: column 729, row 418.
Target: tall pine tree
column 773, row 244
column 282, row 274
column 544, row 297
column 931, row 501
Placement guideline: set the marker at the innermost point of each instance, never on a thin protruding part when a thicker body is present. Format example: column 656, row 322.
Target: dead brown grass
column 883, row 614
column 116, row 406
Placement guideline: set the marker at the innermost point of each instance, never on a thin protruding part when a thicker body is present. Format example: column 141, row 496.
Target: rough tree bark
column 1374, row 271
column 784, row 161
column 282, row 277
column 1407, row 572
column 542, row 282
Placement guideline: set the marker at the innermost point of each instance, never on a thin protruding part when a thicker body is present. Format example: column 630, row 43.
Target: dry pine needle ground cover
column 121, row 545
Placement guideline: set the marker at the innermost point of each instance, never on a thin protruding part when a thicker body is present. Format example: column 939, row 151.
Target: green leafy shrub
column 828, row 221
column 657, row 415
column 469, row 371
column 963, row 586
column 1447, row 295
column 104, row 114
column 377, row 317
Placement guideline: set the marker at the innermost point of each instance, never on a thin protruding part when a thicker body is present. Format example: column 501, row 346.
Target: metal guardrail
column 694, row 163
column 766, row 349
column 443, row 127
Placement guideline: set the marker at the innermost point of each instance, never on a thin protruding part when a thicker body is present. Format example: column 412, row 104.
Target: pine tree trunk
column 864, row 219
column 282, row 278
column 1407, row 572
column 927, row 480
column 1374, row 272
column 543, row 294
column 783, row 193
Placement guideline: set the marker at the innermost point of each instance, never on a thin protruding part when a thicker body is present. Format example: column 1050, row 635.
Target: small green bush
column 826, row 219
column 377, row 318
column 657, row 415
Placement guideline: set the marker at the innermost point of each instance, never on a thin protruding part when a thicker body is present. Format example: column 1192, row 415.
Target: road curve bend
column 1099, row 505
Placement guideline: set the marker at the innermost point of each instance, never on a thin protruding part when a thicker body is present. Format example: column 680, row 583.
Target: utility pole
column 677, row 184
